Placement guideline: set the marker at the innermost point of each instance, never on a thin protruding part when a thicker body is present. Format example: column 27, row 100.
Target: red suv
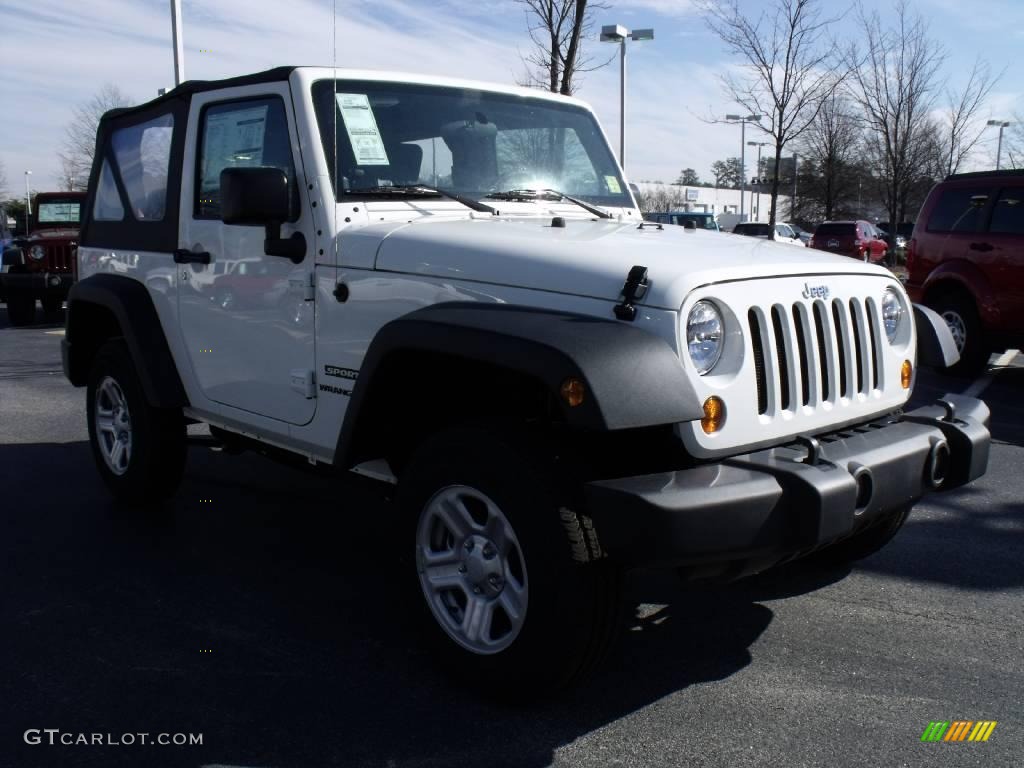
column 857, row 239
column 966, row 261
column 40, row 266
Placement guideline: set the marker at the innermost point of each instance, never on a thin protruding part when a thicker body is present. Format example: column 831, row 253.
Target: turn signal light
column 572, row 391
column 714, row 415
column 906, row 374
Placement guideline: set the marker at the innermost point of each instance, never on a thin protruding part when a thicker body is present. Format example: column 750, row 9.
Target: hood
column 54, row 233
column 592, row 258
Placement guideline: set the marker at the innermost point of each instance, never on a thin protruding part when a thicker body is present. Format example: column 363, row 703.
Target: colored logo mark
column 958, row 730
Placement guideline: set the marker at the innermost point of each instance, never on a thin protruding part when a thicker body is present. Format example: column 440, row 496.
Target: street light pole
column 743, row 155
column 179, row 50
column 999, row 147
column 616, row 33
column 758, row 144
column 28, row 202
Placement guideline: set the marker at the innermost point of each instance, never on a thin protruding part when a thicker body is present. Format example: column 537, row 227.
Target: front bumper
column 36, row 284
column 746, row 513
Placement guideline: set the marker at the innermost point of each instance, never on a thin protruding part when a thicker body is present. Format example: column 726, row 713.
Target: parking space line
column 980, row 384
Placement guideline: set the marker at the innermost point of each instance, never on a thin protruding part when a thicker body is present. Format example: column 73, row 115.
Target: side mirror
column 261, row 196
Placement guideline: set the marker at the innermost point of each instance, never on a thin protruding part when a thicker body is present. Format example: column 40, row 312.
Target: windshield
column 59, row 212
column 465, row 141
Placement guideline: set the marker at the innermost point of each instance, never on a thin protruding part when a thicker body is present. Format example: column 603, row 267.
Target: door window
column 241, row 134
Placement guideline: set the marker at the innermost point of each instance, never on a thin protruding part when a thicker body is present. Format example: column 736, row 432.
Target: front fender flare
column 632, row 377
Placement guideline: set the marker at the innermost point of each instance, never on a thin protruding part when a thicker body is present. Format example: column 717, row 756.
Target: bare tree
column 557, row 29
column 3, row 182
column 789, row 67
column 829, row 147
column 894, row 85
column 963, row 129
column 80, row 135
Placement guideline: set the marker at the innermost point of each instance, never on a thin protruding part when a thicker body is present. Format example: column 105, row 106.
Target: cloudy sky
column 58, row 53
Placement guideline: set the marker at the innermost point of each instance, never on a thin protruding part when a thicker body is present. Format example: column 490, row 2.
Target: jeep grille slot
column 842, row 348
column 823, row 354
column 758, row 349
column 876, row 342
column 800, row 328
column 783, row 356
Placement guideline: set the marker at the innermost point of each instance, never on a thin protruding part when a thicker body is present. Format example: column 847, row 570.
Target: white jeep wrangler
column 447, row 286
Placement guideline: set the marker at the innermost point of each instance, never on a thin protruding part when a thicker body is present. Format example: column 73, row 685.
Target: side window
column 960, row 209
column 240, row 134
column 143, row 155
column 1008, row 213
column 108, row 202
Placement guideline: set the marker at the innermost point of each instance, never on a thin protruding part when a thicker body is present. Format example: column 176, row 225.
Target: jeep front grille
column 814, row 352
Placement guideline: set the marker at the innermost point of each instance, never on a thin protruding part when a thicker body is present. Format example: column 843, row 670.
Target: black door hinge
column 634, row 288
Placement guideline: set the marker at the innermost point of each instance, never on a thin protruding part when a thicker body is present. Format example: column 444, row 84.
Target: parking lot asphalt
column 263, row 611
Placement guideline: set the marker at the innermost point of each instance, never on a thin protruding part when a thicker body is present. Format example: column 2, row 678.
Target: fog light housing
column 714, row 415
column 572, row 391
column 906, row 374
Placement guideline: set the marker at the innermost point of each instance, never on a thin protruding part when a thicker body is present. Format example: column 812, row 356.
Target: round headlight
column 892, row 313
column 704, row 336
column 36, row 252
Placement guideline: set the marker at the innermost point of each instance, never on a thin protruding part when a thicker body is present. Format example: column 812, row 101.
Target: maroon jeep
column 39, row 266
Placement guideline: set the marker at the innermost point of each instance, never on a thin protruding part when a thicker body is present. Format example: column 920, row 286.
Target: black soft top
column 189, row 87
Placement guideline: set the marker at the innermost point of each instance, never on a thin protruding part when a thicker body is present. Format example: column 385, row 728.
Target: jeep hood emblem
column 815, row 291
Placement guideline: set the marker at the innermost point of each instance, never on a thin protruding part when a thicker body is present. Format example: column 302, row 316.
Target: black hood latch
column 634, row 288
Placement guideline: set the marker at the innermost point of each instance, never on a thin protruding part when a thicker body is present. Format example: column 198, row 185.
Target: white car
column 478, row 316
column 783, row 232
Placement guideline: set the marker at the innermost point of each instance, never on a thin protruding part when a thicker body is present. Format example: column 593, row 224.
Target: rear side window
column 240, row 134
column 143, row 156
column 1008, row 213
column 960, row 209
column 135, row 184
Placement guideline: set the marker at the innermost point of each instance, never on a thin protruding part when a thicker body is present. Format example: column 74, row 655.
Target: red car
column 40, row 266
column 856, row 239
column 966, row 261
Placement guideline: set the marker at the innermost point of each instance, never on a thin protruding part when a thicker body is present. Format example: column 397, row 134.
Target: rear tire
column 862, row 544
column 962, row 318
column 149, row 463
column 21, row 310
column 511, row 586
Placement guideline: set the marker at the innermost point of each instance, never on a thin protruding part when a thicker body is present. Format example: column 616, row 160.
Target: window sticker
column 232, row 140
column 613, row 185
column 362, row 129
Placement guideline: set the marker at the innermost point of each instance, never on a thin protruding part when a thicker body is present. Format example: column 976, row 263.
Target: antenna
column 334, row 111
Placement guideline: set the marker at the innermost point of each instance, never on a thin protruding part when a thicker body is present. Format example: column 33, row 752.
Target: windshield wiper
column 531, row 195
column 419, row 190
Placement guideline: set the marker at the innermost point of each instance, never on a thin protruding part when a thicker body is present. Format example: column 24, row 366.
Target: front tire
column 21, row 310
column 512, row 588
column 139, row 450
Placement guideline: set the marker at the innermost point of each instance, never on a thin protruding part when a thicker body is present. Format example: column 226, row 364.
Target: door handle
column 981, row 247
column 185, row 256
